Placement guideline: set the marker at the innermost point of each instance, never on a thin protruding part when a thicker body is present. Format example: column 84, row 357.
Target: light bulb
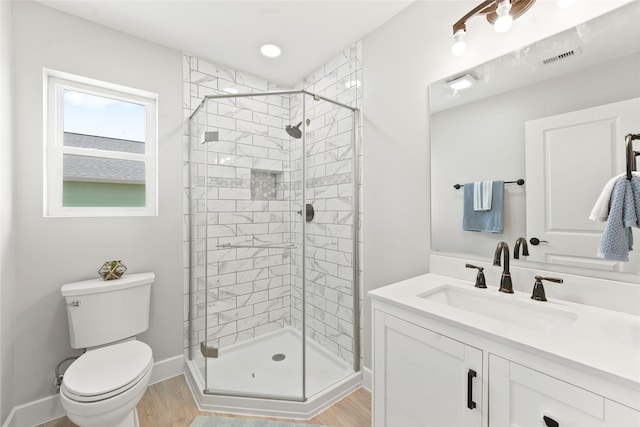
column 504, row 21
column 459, row 46
column 566, row 3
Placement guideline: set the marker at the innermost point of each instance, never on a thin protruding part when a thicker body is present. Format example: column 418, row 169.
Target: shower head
column 294, row 131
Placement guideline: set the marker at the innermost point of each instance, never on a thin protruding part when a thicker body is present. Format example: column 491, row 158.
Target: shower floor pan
column 249, row 368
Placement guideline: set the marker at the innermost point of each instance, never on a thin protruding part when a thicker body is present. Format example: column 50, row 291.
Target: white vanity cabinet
column 434, row 366
column 422, row 378
column 520, row 396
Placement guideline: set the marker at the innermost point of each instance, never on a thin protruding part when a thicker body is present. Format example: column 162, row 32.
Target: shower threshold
column 271, row 366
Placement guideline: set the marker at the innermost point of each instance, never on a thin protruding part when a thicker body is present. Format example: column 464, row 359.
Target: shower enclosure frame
column 355, row 287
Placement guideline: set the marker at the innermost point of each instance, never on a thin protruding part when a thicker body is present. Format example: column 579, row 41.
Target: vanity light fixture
column 500, row 13
column 270, row 50
column 462, row 82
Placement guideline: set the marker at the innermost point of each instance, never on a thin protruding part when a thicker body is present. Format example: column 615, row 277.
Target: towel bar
column 265, row 246
column 519, row 182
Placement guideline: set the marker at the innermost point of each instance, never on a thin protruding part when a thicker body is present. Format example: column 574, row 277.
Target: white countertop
column 599, row 339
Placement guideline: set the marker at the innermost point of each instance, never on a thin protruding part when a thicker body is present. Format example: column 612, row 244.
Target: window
column 100, row 148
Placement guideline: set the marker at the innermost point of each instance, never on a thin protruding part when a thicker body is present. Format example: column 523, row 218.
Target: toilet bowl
column 103, row 386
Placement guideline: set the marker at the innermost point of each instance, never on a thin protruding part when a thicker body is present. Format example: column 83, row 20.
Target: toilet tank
column 101, row 312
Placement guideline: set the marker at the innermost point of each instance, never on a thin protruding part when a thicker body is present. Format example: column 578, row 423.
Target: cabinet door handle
column 550, row 422
column 470, row 376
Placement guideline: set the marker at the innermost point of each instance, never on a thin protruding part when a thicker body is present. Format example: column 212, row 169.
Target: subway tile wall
column 330, row 189
column 245, row 189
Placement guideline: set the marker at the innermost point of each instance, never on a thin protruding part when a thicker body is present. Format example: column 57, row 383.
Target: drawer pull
column 550, row 422
column 470, row 376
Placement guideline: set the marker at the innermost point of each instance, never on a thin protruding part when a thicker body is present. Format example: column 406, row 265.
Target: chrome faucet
column 525, row 248
column 505, row 282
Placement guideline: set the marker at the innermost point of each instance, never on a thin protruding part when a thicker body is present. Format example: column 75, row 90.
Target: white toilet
column 103, row 386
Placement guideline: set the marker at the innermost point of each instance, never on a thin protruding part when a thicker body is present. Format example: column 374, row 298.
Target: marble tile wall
column 253, row 291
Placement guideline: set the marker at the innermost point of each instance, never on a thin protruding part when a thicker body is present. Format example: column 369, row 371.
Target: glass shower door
column 330, row 305
column 250, row 344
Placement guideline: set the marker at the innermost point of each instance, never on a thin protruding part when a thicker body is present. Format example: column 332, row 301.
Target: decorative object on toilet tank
column 111, row 270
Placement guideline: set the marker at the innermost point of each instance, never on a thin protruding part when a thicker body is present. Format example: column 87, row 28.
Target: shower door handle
column 310, row 212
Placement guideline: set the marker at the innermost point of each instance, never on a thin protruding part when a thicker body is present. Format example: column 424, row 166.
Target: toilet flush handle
column 74, row 303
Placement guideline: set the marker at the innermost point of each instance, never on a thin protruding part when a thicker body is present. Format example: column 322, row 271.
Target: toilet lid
column 104, row 370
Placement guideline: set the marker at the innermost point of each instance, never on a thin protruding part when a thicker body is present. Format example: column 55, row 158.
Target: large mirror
column 542, row 114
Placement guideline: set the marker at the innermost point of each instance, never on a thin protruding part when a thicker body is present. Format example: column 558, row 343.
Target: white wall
column 400, row 59
column 7, row 242
column 52, row 251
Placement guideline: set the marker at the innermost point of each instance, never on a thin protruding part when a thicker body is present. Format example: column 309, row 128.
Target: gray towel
column 624, row 213
column 491, row 220
column 635, row 190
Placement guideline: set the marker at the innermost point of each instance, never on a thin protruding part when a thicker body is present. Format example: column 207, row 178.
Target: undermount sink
column 502, row 307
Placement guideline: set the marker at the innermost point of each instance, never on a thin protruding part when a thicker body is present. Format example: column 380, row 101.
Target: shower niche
column 266, row 185
column 273, row 289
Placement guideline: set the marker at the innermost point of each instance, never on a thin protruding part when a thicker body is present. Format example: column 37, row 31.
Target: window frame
column 55, row 83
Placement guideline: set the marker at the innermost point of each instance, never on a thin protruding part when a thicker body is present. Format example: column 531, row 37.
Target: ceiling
column 230, row 33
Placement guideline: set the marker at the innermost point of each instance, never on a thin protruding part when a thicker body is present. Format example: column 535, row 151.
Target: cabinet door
column 522, row 397
column 421, row 378
column 617, row 415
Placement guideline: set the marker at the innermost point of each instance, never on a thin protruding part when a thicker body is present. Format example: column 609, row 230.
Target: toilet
column 103, row 386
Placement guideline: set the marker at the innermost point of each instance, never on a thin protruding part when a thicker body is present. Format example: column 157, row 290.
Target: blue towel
column 491, row 220
column 624, row 213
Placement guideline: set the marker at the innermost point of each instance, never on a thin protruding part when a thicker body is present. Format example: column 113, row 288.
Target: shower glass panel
column 273, row 296
column 330, row 311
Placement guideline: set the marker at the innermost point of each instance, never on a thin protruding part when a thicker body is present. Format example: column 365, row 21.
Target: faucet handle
column 538, row 289
column 480, row 280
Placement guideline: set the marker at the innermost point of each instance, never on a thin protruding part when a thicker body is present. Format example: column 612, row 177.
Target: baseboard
column 367, row 378
column 35, row 413
column 49, row 408
column 167, row 368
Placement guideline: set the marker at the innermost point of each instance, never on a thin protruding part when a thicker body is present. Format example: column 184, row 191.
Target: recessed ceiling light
column 462, row 82
column 270, row 50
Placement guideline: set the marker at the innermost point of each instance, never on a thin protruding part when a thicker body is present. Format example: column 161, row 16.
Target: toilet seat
column 107, row 371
